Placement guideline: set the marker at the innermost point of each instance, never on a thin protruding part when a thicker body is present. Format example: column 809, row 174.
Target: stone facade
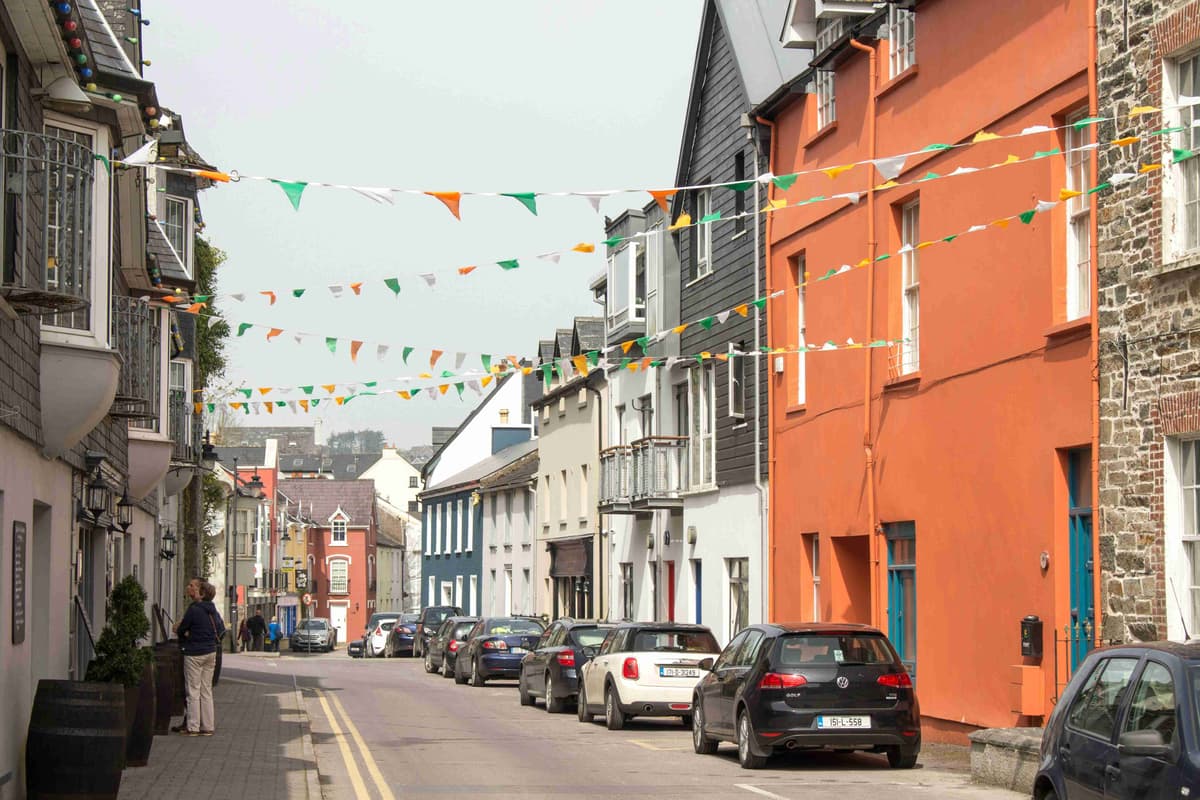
column 1149, row 305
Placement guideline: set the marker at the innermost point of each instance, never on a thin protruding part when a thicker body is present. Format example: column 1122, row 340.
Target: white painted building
column 509, row 532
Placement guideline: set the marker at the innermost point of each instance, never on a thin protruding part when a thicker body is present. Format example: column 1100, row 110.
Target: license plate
column 678, row 672
column 517, row 650
column 843, row 722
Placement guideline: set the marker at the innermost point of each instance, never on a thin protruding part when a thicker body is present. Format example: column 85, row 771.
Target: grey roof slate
column 482, row 469
column 517, row 473
column 107, row 54
column 562, row 341
column 355, row 497
column 545, row 350
column 246, row 456
column 170, row 265
column 419, row 455
column 342, row 466
column 752, row 27
column 589, row 333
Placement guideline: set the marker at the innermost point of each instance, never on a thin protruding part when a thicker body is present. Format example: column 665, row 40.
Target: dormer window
column 175, row 225
column 339, row 531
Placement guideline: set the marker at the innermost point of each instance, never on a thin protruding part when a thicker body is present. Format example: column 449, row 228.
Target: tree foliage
column 119, row 659
column 364, row 441
column 210, row 339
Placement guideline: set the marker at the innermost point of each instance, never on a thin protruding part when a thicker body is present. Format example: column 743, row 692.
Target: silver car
column 314, row 633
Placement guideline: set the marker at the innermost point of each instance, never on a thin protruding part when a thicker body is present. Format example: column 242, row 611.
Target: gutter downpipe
column 599, row 585
column 1094, row 301
column 764, row 530
column 766, row 508
column 877, row 608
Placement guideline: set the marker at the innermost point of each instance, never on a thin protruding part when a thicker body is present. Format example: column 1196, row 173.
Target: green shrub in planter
column 119, row 659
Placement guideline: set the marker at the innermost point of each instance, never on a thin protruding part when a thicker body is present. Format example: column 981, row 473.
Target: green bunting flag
column 460, row 386
column 508, row 264
column 931, row 147
column 706, row 323
column 760, row 303
column 814, row 199
column 784, row 182
column 1044, row 153
column 486, row 360
column 1166, row 131
column 828, row 275
column 104, row 160
column 1026, row 216
column 306, row 389
column 658, row 362
column 699, row 359
column 1099, row 188
column 281, row 404
column 246, row 392
column 298, row 293
column 407, row 352
column 1178, row 155
column 447, row 373
column 878, row 343
column 740, row 186
column 393, row 284
column 950, row 238
column 883, row 257
column 930, row 176
column 371, row 384
column 527, row 199
column 642, row 341
column 243, row 327
column 316, row 401
column 201, row 298
column 1083, row 123
column 625, row 363
column 293, row 190
column 331, row 343
column 211, row 407
column 593, row 357
column 613, row 242
column 546, row 374
column 415, row 392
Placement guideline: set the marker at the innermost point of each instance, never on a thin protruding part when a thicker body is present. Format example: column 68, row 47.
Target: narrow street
column 385, row 729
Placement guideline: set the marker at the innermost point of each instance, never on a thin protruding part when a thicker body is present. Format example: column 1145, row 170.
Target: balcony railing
column 339, row 586
column 904, row 357
column 50, row 181
column 135, row 334
column 658, row 474
column 614, row 478
column 183, row 426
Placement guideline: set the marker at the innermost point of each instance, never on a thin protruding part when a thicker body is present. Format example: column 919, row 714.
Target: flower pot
column 76, row 741
column 140, row 719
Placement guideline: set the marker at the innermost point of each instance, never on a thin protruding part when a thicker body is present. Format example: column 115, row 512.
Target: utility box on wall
column 1026, row 690
column 1031, row 637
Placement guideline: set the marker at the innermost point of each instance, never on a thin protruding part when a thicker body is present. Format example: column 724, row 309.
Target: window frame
column 825, row 91
column 1190, row 538
column 703, row 235
column 902, row 29
column 910, row 289
column 1181, row 202
column 344, row 565
column 185, row 257
column 735, row 384
column 898, row 626
column 337, row 525
column 1078, row 275
column 702, row 429
column 1093, row 678
column 739, row 198
column 739, row 588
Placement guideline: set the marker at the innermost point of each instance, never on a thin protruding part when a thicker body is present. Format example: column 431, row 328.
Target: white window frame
column 825, row 91
column 801, row 331
column 737, row 585
column 432, row 535
column 458, row 525
column 444, row 510
column 1181, row 182
column 97, row 333
column 474, row 609
column 702, row 434
column 910, row 287
column 704, row 260
column 506, row 518
column 432, row 591
column 583, row 491
column 1181, row 527
column 458, row 591
column 902, row 39
column 829, row 29
column 1079, row 217
column 470, row 525
column 344, row 564
column 654, row 265
column 185, row 257
column 735, row 384
column 337, row 525
column 816, row 577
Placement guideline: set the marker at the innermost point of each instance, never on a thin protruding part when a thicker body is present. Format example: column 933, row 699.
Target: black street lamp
column 124, row 516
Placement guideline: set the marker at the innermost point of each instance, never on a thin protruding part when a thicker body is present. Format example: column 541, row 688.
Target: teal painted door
column 1081, row 629
column 902, row 591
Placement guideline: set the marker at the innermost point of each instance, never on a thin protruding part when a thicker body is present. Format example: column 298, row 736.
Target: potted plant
column 120, row 659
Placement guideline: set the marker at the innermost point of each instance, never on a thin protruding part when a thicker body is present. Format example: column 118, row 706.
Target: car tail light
column 379, row 631
column 895, row 680
column 566, row 659
column 630, row 669
column 495, row 644
column 781, row 680
column 453, row 646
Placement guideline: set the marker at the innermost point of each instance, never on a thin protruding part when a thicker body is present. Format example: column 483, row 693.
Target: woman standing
column 200, row 633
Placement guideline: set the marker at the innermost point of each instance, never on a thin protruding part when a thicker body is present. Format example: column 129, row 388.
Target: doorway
column 670, row 591
column 1083, row 612
column 337, row 618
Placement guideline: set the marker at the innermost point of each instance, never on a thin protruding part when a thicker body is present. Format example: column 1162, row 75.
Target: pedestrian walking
column 258, row 628
column 200, row 633
column 244, row 635
column 275, row 632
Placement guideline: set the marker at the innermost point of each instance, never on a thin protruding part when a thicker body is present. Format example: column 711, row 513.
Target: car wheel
column 746, row 756
column 459, row 678
column 614, row 717
column 700, row 741
column 554, row 705
column 685, row 720
column 429, row 664
column 477, row 680
column 581, row 708
column 446, row 673
column 523, row 693
column 904, row 758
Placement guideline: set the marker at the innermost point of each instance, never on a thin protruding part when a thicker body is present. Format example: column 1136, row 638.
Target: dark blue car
column 551, row 671
column 495, row 647
column 1126, row 726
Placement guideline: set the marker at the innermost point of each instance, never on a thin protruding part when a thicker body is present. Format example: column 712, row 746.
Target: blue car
column 1126, row 726
column 495, row 647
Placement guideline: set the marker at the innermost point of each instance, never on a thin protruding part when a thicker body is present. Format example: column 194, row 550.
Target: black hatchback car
column 427, row 625
column 443, row 647
column 1125, row 726
column 551, row 671
column 788, row 686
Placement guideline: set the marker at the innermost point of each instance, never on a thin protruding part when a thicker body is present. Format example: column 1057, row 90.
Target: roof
column 589, row 333
column 1189, row 651
column 546, row 350
column 246, row 456
column 500, row 381
column 516, row 473
column 665, row 626
column 342, row 466
column 562, row 341
column 356, row 498
column 385, row 539
column 482, row 469
column 107, row 53
column 418, row 456
column 170, row 265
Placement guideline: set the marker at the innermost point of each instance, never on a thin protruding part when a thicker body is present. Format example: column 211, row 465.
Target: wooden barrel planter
column 75, row 746
column 139, row 719
column 170, row 692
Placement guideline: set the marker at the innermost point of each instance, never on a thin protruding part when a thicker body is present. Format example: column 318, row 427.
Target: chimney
column 504, row 416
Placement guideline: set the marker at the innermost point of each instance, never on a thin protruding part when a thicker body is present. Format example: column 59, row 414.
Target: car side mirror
column 706, row 664
column 1143, row 743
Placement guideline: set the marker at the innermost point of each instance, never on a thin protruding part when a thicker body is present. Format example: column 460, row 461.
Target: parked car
column 444, row 645
column 427, row 625
column 495, row 647
column 354, row 648
column 807, row 686
column 314, row 633
column 551, row 671
column 645, row 669
column 400, row 640
column 377, row 638
column 1105, row 740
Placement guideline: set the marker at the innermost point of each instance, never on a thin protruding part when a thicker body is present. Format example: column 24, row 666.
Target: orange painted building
column 939, row 488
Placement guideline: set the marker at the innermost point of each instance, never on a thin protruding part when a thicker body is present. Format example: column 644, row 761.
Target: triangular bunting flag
column 984, row 136
column 356, row 288
column 581, row 365
column 1067, row 194
column 527, row 199
column 243, row 327
column 682, row 221
column 510, row 263
column 661, row 196
column 270, row 297
column 298, row 293
column 721, row 317
column 891, row 167
column 271, row 334
column 336, row 289
column 450, row 199
column 1025, row 216
column 304, row 405
column 743, row 309
column 784, row 182
column 429, row 278
column 354, row 347
column 465, row 270
column 329, row 387
column 380, row 196
column 706, row 323
column 459, row 358
column 293, row 190
column 434, row 355
column 582, row 247
column 331, row 343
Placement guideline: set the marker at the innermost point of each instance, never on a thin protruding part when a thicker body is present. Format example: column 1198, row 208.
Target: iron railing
column 659, row 466
column 904, row 358
column 614, row 475
column 136, row 335
column 49, row 181
column 182, row 426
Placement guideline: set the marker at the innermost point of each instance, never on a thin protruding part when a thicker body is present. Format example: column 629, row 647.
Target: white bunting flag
column 890, row 167
column 429, row 278
column 381, row 352
column 724, row 315
column 380, row 196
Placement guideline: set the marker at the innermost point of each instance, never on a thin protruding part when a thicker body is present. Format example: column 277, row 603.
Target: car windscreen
column 588, row 637
column 669, row 641
column 461, row 628
column 504, row 627
column 409, row 617
column 813, row 649
column 311, row 625
column 435, row 616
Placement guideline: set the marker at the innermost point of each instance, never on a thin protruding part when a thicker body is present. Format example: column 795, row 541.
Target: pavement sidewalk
column 262, row 748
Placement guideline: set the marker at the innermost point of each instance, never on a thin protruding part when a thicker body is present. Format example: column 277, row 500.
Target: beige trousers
column 198, row 673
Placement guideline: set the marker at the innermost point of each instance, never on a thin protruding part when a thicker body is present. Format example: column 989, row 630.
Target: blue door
column 696, row 574
column 1082, row 624
column 902, row 591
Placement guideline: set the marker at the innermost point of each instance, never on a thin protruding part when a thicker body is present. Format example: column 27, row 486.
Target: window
column 458, row 527
column 583, row 490
column 654, row 251
column 1189, row 493
column 432, row 601
column 829, row 30
column 627, row 591
column 339, row 531
column 645, row 408
column 413, row 482
column 492, row 595
column 902, row 591
column 698, row 586
column 910, row 281
column 902, row 39
column 175, row 226
column 702, row 436
column 508, row 518
column 739, row 593
column 470, row 525
column 1187, row 178
column 526, row 597
column 798, row 269
column 474, row 607
column 412, row 506
column 432, row 513
column 1079, row 496
column 826, row 107
column 748, row 652
column 639, row 283
column 1153, row 706
column 526, row 522
column 241, row 532
column 1079, row 264
column 737, row 382
column 427, row 532
column 562, row 496
column 444, row 514
column 702, row 235
column 739, row 196
column 627, row 285
column 339, row 577
column 76, row 265
column 813, row 545
column 458, row 591
column 1094, row 709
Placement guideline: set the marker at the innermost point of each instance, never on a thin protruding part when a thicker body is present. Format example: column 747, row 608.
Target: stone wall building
column 1148, row 55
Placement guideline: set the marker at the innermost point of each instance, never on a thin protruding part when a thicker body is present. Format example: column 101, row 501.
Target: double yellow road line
column 356, row 779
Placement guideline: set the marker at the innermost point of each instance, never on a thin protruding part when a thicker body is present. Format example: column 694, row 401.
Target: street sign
column 307, row 599
column 301, row 579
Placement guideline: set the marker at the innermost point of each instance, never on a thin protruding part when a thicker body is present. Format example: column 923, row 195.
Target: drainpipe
column 1094, row 348
column 877, row 611
column 598, row 585
column 766, row 513
column 764, row 530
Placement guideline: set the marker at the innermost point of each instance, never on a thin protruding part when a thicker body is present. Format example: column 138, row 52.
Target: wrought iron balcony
column 136, row 335
column 659, row 472
column 614, row 480
column 50, row 180
column 183, row 427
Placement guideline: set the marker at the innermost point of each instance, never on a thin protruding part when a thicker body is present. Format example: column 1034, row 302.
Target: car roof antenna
column 1182, row 618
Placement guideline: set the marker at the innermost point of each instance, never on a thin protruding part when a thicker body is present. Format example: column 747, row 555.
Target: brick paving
column 262, row 749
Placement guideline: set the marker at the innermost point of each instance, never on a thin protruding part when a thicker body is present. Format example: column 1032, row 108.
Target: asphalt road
column 383, row 728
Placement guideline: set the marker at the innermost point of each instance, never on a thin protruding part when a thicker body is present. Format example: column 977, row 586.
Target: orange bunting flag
column 404, row 393
column 329, row 387
column 171, row 299
column 434, row 355
column 516, row 362
column 264, row 390
column 194, row 308
column 356, row 288
column 270, row 407
column 271, row 334
column 684, row 220
column 465, row 270
column 626, row 345
column 354, row 347
column 451, row 199
column 646, row 362
column 923, row 245
column 198, row 408
column 581, row 365
column 485, row 380
column 270, row 297
column 661, row 196
column 443, row 388
column 833, row 172
column 236, row 406
column 1126, row 141
column 584, row 247
column 743, row 309
column 680, row 328
column 1067, row 194
column 1001, row 223
column 1149, row 167
column 722, row 356
column 212, row 175
column 339, row 400
column 304, row 405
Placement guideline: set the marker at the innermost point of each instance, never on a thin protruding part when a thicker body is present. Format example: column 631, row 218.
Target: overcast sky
column 527, row 95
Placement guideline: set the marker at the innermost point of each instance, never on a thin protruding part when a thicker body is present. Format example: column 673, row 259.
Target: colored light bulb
column 91, row 87
column 81, row 58
column 63, row 8
column 86, row 72
column 116, row 98
column 151, row 111
column 70, row 26
column 75, row 43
